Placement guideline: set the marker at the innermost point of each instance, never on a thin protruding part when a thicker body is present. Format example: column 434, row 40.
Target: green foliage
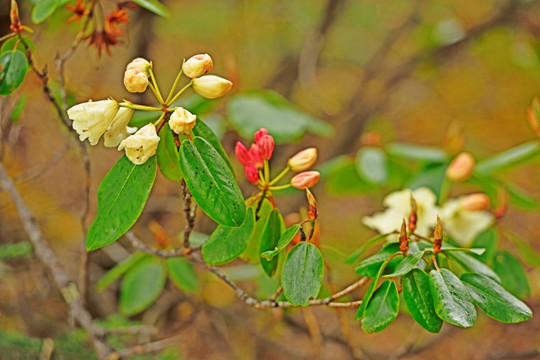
column 13, row 67
column 252, row 253
column 17, row 44
column 416, row 152
column 487, row 240
column 417, row 295
column 511, row 273
column 168, row 157
column 204, row 131
column 270, row 236
column 370, row 267
column 508, row 158
column 371, row 242
column 43, row 10
column 406, row 264
column 282, row 243
column 120, row 269
column 382, row 309
column 15, row 250
column 371, row 165
column 182, row 274
column 154, row 6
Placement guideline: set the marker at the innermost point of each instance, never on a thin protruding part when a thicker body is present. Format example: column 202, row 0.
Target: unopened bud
column 305, row 180
column 16, row 25
column 140, row 64
column 438, row 237
column 312, row 210
column 211, row 86
column 251, row 173
column 266, row 146
column 533, row 114
column 474, row 202
column 182, row 121
column 135, row 81
column 259, row 134
column 303, row 160
column 256, row 156
column 242, row 154
column 403, row 239
column 461, row 168
column 413, row 217
column 197, row 65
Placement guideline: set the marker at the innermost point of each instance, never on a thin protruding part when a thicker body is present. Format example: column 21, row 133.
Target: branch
column 190, row 213
column 145, row 348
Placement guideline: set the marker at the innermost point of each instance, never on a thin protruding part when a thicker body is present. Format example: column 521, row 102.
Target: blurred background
column 404, row 71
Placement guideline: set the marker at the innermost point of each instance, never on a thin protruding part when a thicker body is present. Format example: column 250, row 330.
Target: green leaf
column 282, row 243
column 182, row 274
column 432, row 178
column 270, row 237
column 474, row 265
column 508, row 158
column 12, row 71
column 121, row 199
column 204, row 131
column 476, row 251
column 520, row 199
column 452, row 301
column 382, row 309
column 513, row 276
column 528, row 254
column 302, row 274
column 487, row 240
column 120, row 270
column 407, row 264
column 18, row 109
column 15, row 250
column 154, row 6
column 227, row 243
column 416, row 152
column 16, row 44
column 371, row 165
column 370, row 266
column 358, row 252
column 345, row 180
column 212, row 183
column 494, row 300
column 141, row 286
column 252, row 253
column 417, row 296
column 168, row 157
column 43, row 10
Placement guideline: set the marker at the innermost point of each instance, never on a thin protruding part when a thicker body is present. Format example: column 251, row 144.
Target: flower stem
column 155, row 87
column 171, row 92
column 266, row 172
column 159, row 120
column 280, row 175
column 280, row 187
column 179, row 93
column 139, row 107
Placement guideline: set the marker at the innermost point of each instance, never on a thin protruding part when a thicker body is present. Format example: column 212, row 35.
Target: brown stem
column 190, row 213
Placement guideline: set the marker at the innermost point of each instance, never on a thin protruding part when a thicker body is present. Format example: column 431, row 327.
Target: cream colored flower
column 140, row 64
column 197, row 65
column 135, row 81
column 118, row 130
column 141, row 145
column 182, row 121
column 93, row 118
column 464, row 225
column 211, row 86
column 399, row 207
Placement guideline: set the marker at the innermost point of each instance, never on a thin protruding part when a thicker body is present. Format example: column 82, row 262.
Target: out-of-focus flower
column 141, row 145
column 118, row 16
column 461, row 168
column 119, row 129
column 211, row 86
column 182, row 121
column 475, row 202
column 266, row 146
column 303, row 160
column 135, row 81
column 93, row 118
column 305, row 180
column 79, row 11
column 256, row 156
column 251, row 173
column 398, row 206
column 464, row 225
column 102, row 39
column 197, row 65
column 140, row 64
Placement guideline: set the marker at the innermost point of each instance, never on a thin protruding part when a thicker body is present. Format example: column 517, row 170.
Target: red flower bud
column 305, row 180
column 242, row 154
column 256, row 156
column 266, row 146
column 251, row 173
column 259, row 134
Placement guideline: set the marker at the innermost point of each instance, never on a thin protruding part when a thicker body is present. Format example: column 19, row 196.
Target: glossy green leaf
column 508, row 158
column 417, row 296
column 16, row 44
column 43, row 9
column 252, row 253
column 283, row 241
column 494, row 300
column 142, row 285
column 302, row 274
column 512, row 274
column 474, row 265
column 204, row 131
column 270, row 237
column 182, row 274
column 227, row 243
column 12, row 71
column 382, row 309
column 452, row 301
column 371, row 165
column 358, row 252
column 212, row 183
column 528, row 254
column 120, row 269
column 121, row 199
column 154, row 6
column 168, row 157
column 487, row 240
column 370, row 266
column 475, row 251
column 406, row 264
column 416, row 152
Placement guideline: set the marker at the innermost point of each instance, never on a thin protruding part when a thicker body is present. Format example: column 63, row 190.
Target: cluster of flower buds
column 254, row 158
column 461, row 168
column 136, row 75
column 208, row 86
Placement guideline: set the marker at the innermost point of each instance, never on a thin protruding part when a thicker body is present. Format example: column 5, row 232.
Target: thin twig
column 190, row 213
column 145, row 348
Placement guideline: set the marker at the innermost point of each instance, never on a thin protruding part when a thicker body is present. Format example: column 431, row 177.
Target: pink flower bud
column 461, row 168
column 211, row 86
column 182, row 121
column 256, row 156
column 266, row 146
column 305, row 180
column 303, row 160
column 198, row 65
column 251, row 173
column 474, row 202
column 312, row 211
column 140, row 64
column 242, row 154
column 135, row 81
column 259, row 134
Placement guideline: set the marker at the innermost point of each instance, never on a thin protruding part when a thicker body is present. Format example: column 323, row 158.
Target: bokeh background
column 406, row 69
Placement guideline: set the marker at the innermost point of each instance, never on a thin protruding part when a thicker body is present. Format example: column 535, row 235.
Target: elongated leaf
column 416, row 152
column 168, row 157
column 417, row 296
column 528, row 254
column 12, row 71
column 142, row 285
column 520, row 199
column 406, row 265
column 508, row 158
column 43, row 10
column 227, row 243
column 252, row 253
column 121, row 199
column 494, row 300
column 302, row 274
column 382, row 309
column 358, row 252
column 487, row 240
column 371, row 165
column 154, row 6
column 476, row 251
column 512, row 274
column 452, row 301
column 283, row 241
column 432, row 178
column 211, row 182
column 120, row 269
column 370, row 266
column 204, row 131
column 474, row 265
column 269, row 240
column 182, row 274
